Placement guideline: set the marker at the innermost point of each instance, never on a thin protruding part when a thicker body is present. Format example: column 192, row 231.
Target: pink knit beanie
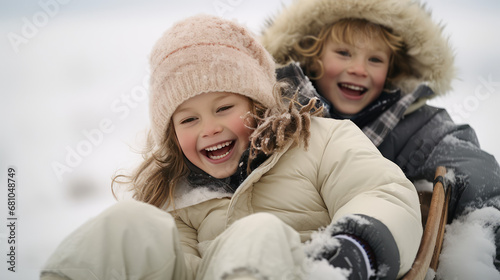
column 206, row 54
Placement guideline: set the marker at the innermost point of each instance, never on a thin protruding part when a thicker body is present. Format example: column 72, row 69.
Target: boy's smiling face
column 212, row 131
column 354, row 75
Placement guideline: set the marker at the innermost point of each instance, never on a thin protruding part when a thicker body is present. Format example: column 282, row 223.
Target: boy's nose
column 357, row 68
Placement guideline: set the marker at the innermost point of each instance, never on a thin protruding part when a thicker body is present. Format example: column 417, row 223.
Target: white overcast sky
column 79, row 64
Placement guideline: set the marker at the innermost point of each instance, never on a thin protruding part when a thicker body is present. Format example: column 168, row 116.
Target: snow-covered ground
column 73, row 80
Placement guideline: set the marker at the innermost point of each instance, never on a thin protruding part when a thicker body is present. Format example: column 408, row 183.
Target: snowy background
column 73, row 81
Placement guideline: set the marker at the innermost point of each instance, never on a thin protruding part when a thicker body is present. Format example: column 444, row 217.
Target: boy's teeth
column 217, row 147
column 353, row 87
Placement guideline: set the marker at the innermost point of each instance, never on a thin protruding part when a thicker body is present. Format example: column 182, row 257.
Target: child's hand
column 354, row 255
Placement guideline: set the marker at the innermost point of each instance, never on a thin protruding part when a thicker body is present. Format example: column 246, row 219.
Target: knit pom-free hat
column 206, row 54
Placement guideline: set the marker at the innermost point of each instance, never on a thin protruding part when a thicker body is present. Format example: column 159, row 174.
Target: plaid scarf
column 378, row 129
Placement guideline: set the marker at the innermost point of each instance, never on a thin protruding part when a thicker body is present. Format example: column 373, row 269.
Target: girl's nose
column 211, row 127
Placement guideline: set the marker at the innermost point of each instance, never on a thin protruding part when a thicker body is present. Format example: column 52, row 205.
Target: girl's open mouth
column 351, row 91
column 219, row 151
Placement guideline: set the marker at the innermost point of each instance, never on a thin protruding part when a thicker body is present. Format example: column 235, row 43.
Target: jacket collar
column 199, row 186
column 199, row 178
column 370, row 112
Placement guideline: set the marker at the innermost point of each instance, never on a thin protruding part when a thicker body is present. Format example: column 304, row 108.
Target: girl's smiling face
column 212, row 131
column 354, row 75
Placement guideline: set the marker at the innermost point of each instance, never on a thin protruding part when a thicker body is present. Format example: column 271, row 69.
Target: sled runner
column 434, row 208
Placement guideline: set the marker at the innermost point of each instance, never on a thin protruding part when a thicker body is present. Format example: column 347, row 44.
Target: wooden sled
column 434, row 208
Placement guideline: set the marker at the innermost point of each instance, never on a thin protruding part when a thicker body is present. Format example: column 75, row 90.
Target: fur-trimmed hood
column 431, row 56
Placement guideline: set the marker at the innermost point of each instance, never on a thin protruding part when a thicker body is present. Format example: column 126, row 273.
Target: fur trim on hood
column 431, row 56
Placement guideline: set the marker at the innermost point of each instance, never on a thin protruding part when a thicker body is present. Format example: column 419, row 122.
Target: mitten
column 354, row 255
column 357, row 243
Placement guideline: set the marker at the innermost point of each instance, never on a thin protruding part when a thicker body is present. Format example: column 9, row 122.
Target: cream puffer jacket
column 341, row 173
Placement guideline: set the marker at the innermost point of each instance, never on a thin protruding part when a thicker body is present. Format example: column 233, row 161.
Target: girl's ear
column 172, row 139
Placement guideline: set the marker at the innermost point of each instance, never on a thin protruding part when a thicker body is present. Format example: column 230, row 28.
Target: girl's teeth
column 219, row 146
column 219, row 157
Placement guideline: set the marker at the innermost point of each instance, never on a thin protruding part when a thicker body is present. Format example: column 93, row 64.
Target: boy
column 376, row 63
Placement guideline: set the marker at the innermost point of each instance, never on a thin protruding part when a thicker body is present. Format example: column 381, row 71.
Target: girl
column 376, row 63
column 233, row 184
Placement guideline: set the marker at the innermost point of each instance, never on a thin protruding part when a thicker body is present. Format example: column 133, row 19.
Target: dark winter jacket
column 428, row 138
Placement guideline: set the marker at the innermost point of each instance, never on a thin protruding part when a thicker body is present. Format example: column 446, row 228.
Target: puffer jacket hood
column 431, row 56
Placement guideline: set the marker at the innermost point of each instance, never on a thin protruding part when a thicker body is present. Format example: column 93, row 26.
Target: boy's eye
column 343, row 52
column 188, row 120
column 224, row 108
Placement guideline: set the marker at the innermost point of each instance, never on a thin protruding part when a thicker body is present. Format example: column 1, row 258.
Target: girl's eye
column 376, row 59
column 224, row 108
column 188, row 120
